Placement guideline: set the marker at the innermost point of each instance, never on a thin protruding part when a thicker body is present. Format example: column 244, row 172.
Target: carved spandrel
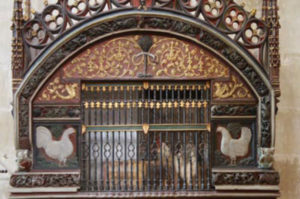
column 232, row 89
column 57, row 91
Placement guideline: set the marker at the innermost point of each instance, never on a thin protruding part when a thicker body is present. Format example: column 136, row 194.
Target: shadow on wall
column 289, row 169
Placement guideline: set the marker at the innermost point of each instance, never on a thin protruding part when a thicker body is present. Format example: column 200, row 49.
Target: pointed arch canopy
column 154, row 20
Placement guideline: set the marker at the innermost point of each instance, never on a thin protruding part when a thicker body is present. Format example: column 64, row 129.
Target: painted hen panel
column 55, row 146
column 234, row 143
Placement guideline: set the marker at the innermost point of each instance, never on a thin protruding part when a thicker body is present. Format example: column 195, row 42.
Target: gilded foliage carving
column 118, row 58
column 233, row 89
column 113, row 59
column 57, row 90
column 176, row 58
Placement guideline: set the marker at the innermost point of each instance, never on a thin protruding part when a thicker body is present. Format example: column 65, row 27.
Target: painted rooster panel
column 55, row 146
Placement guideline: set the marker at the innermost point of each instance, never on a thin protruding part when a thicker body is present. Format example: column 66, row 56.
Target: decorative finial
column 253, row 12
column 76, row 2
column 142, row 5
column 25, row 17
column 33, row 11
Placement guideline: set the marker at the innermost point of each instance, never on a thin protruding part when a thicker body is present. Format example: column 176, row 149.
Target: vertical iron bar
column 184, row 137
column 119, row 141
column 131, row 163
column 107, row 140
column 190, row 139
column 148, row 156
column 191, row 160
column 132, row 145
column 201, row 108
column 166, row 141
column 190, row 102
column 119, row 160
column 142, row 122
column 173, row 161
column 172, row 141
column 101, row 140
column 184, row 159
column 113, row 138
column 161, row 162
column 96, row 167
column 137, row 142
column 82, row 144
column 107, row 162
column 154, row 107
column 154, row 157
column 196, row 100
column 202, row 160
column 179, row 108
column 149, row 150
column 90, row 117
column 197, row 167
column 178, row 160
column 208, row 160
column 125, row 141
column 137, row 160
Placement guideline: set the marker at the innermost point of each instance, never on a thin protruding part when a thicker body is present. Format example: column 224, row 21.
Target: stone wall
column 288, row 119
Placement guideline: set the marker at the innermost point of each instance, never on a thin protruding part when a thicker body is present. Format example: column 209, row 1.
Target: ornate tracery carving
column 240, row 87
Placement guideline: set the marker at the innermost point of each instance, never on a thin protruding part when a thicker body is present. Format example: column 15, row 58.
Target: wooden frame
column 40, row 51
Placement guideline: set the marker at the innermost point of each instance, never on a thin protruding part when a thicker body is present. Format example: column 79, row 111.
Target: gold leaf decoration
column 173, row 59
column 56, row 90
column 114, row 58
column 176, row 58
column 233, row 89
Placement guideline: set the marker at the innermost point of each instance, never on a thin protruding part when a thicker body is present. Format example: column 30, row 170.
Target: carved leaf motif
column 56, row 90
column 233, row 89
column 114, row 58
column 178, row 59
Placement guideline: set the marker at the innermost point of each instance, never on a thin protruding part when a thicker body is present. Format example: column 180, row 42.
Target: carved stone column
column 17, row 45
column 270, row 15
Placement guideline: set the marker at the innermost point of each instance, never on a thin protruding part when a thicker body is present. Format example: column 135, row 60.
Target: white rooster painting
column 234, row 148
column 57, row 150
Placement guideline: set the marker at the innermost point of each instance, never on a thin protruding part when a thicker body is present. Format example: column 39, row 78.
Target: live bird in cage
column 190, row 164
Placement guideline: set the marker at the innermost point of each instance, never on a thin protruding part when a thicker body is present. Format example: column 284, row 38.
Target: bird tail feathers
column 246, row 133
column 43, row 136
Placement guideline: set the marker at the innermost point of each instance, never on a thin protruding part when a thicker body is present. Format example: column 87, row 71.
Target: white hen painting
column 55, row 149
column 234, row 148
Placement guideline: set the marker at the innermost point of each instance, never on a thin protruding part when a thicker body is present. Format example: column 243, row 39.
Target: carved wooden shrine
column 150, row 98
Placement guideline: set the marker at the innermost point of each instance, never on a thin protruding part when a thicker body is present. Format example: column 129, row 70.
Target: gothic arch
column 156, row 20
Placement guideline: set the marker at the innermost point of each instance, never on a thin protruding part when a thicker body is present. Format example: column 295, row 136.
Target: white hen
column 191, row 161
column 188, row 171
column 58, row 150
column 235, row 147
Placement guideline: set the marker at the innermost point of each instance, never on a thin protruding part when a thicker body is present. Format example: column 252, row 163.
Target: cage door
column 145, row 136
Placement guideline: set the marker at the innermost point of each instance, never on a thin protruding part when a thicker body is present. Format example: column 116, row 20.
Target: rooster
column 190, row 166
column 58, row 150
column 191, row 161
column 234, row 147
